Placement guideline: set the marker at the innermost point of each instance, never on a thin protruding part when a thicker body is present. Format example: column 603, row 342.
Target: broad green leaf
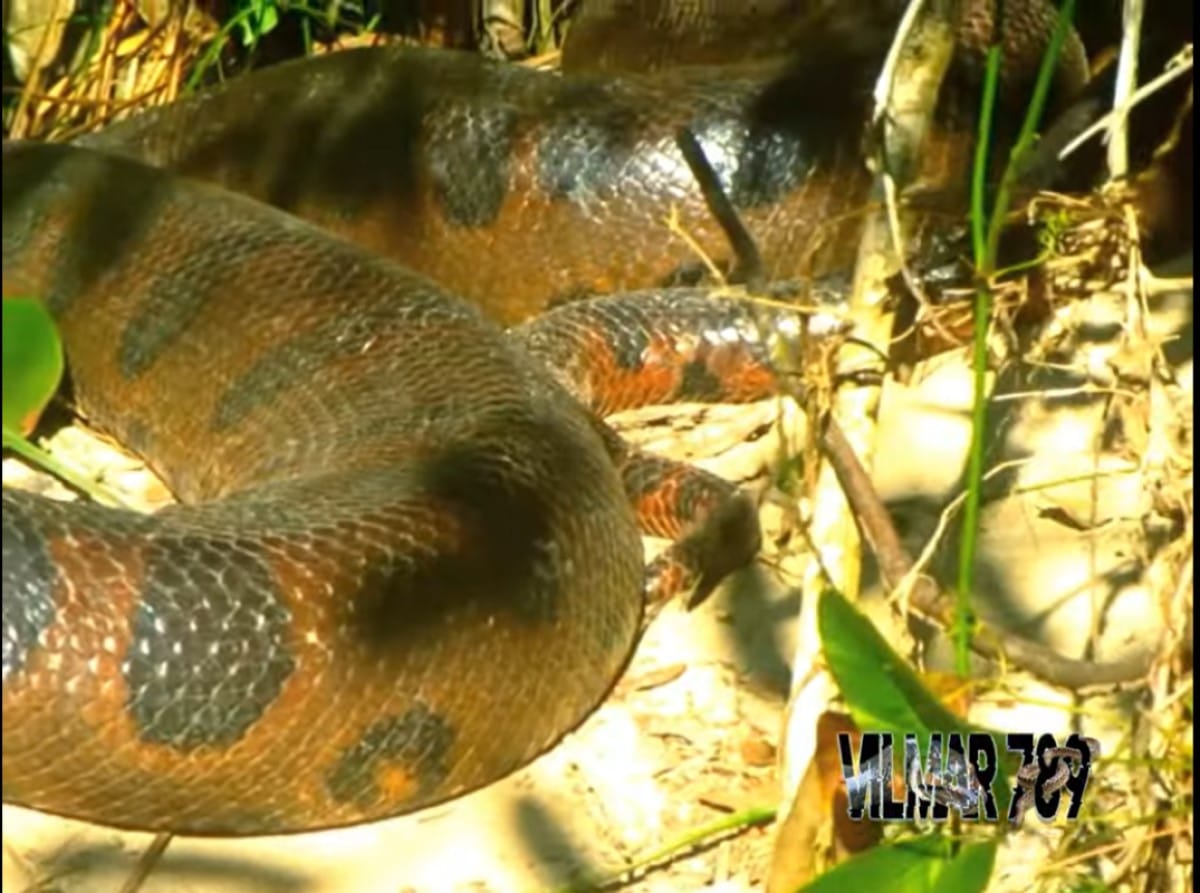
column 881, row 690
column 969, row 870
column 33, row 362
column 32, row 371
column 924, row 865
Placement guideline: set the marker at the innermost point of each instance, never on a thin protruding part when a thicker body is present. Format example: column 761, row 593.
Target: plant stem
column 985, row 237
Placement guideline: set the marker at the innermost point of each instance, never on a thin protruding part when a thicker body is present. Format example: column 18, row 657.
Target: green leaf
column 268, row 19
column 881, row 690
column 255, row 19
column 970, row 869
column 1090, row 885
column 32, row 371
column 923, row 865
column 33, row 362
column 884, row 694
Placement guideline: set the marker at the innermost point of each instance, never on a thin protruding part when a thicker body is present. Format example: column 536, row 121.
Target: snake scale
column 406, row 558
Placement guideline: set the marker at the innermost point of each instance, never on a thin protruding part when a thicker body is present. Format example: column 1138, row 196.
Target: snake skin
column 407, row 558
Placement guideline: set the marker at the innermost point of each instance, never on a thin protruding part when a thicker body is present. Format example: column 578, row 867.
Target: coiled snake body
column 407, row 560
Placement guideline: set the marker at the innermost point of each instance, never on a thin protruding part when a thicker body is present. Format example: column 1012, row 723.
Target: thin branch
column 1179, row 65
column 749, row 266
column 1126, row 82
column 887, row 74
column 895, row 566
column 147, row 862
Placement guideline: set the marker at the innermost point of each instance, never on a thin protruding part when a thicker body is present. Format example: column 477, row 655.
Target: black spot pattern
column 698, row 382
column 691, row 324
column 178, row 293
column 92, row 250
column 417, row 743
column 508, row 560
column 585, row 147
column 468, row 152
column 753, row 168
column 29, row 579
column 290, row 363
column 209, row 652
column 626, row 333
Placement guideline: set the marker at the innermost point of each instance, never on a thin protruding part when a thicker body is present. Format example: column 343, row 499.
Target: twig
column 675, row 225
column 146, row 864
column 895, row 566
column 914, row 127
column 887, row 74
column 1179, row 65
column 706, row 835
column 911, row 90
column 903, row 117
column 1126, row 82
column 36, row 458
column 749, row 266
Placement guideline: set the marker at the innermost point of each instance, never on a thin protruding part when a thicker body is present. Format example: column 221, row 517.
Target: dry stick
column 1118, row 133
column 147, row 862
column 903, row 117
column 20, row 123
column 749, row 268
column 895, row 564
column 1179, row 65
